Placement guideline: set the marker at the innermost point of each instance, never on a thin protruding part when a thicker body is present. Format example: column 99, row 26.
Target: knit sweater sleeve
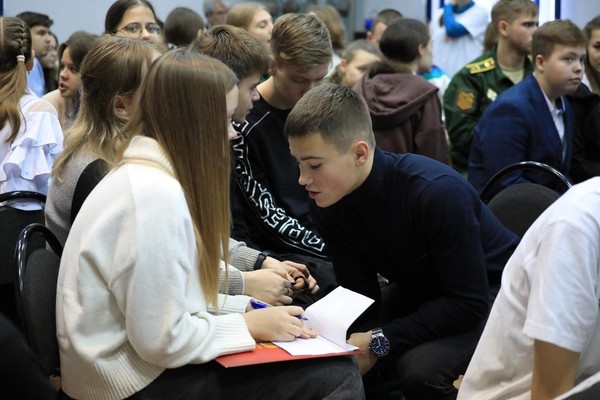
column 242, row 258
column 163, row 279
column 140, row 273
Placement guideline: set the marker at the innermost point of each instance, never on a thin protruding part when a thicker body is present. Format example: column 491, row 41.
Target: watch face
column 380, row 345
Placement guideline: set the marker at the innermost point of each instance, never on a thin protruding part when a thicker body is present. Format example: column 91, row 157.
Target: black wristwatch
column 380, row 345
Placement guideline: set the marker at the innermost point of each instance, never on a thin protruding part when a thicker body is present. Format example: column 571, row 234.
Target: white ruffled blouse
column 26, row 162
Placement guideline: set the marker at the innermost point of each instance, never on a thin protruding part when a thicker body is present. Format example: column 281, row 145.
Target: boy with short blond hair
column 249, row 59
column 270, row 211
column 533, row 121
column 411, row 219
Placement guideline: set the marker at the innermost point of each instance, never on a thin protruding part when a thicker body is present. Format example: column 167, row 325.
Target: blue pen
column 259, row 304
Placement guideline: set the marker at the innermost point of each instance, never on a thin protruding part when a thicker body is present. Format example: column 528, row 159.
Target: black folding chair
column 36, row 274
column 518, row 206
column 12, row 222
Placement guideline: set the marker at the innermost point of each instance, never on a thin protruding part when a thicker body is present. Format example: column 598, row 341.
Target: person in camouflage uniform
column 478, row 84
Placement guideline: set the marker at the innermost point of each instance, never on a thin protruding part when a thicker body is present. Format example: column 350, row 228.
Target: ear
column 343, row 66
column 421, row 50
column 539, row 62
column 272, row 65
column 370, row 35
column 121, row 105
column 361, row 153
column 503, row 28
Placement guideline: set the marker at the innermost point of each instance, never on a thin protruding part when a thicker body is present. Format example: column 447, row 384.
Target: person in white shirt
column 543, row 332
column 30, row 133
column 458, row 30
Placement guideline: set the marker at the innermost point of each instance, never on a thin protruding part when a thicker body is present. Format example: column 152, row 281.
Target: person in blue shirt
column 533, row 121
column 39, row 26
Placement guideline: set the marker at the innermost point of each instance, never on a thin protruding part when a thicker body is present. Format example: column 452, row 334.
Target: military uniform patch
column 481, row 66
column 465, row 101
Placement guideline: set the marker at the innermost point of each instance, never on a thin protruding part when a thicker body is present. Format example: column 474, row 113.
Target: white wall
column 72, row 15
column 579, row 11
column 369, row 8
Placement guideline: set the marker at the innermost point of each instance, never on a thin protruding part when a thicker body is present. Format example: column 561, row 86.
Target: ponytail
column 15, row 42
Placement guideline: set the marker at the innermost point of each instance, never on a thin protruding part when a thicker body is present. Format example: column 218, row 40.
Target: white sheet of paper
column 312, row 347
column 330, row 317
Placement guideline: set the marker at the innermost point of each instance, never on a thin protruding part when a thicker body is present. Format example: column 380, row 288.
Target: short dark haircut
column 401, row 39
column 236, row 48
column 337, row 113
column 115, row 13
column 182, row 25
column 35, row 19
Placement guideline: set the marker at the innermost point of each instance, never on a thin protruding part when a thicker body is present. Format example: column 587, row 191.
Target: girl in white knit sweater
column 138, row 309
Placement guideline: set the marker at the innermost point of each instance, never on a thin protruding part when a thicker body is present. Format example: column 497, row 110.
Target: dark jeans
column 426, row 371
column 22, row 370
column 330, row 378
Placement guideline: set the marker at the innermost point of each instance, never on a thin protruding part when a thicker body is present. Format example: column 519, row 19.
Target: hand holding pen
column 267, row 323
column 255, row 304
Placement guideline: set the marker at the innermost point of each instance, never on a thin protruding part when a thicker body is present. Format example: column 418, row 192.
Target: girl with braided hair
column 30, row 134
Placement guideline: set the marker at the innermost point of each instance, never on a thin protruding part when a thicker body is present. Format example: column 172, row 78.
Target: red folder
column 267, row 353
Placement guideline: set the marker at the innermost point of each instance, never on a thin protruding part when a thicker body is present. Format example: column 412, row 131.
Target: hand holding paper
column 330, row 317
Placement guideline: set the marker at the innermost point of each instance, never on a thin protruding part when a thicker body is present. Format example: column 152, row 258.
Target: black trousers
column 331, row 378
column 426, row 371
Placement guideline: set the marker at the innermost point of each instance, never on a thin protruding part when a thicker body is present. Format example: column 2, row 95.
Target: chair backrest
column 588, row 389
column 490, row 188
column 518, row 206
column 12, row 222
column 36, row 277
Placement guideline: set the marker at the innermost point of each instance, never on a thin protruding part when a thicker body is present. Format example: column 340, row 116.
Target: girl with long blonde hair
column 111, row 74
column 138, row 310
